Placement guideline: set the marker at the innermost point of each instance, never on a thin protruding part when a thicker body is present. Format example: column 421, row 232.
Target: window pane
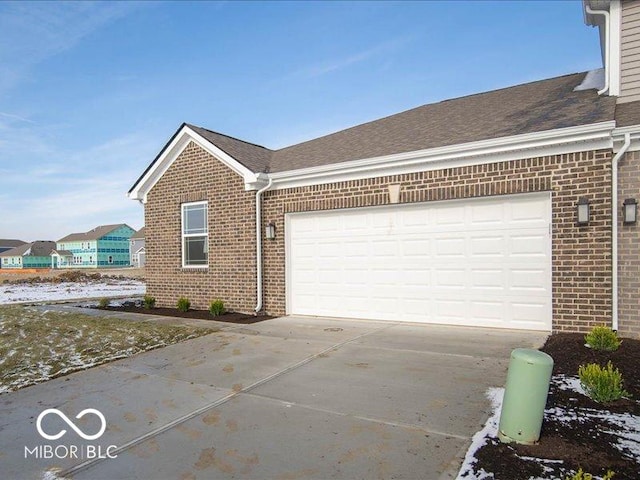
column 195, row 251
column 195, row 219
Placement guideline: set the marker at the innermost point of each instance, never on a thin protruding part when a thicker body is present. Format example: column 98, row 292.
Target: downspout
column 606, row 45
column 614, row 229
column 259, row 244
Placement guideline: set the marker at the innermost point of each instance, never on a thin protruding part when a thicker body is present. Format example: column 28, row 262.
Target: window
column 195, row 235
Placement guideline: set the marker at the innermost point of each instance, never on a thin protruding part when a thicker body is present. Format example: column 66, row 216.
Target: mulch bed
column 585, row 444
column 229, row 317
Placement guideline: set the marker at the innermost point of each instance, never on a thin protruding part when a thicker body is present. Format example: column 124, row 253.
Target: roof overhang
column 594, row 20
column 619, row 137
column 552, row 142
column 172, row 151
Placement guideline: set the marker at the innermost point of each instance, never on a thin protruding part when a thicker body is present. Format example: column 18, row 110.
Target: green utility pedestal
column 525, row 396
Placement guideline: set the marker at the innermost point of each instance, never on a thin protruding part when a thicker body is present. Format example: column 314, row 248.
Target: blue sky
column 90, row 92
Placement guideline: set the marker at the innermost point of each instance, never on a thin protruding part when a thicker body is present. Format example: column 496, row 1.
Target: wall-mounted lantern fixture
column 583, row 212
column 629, row 211
column 270, row 231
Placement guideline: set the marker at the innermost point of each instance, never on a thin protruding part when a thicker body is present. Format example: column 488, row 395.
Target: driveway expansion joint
column 180, row 420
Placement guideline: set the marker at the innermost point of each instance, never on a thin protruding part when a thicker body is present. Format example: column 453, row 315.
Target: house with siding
column 8, row 244
column 28, row 255
column 103, row 247
column 514, row 208
column 136, row 247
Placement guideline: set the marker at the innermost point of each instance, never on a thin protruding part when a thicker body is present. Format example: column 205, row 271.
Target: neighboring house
column 469, row 211
column 6, row 244
column 136, row 247
column 29, row 255
column 104, row 246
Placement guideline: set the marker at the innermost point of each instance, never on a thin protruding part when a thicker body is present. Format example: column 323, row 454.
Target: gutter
column 606, row 45
column 614, row 230
column 259, row 244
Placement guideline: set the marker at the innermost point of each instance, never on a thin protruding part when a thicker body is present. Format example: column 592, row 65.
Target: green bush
column 149, row 302
column 581, row 475
column 602, row 338
column 104, row 303
column 184, row 304
column 603, row 385
column 216, row 307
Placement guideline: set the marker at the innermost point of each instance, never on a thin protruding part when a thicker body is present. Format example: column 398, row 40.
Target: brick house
column 496, row 209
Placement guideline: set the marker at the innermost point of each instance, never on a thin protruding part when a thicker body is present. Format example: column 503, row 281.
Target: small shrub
column 581, row 475
column 602, row 338
column 184, row 304
column 104, row 303
column 216, row 307
column 603, row 385
column 149, row 302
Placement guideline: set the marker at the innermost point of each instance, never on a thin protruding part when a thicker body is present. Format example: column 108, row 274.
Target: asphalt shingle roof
column 628, row 114
column 9, row 243
column 139, row 234
column 39, row 248
column 532, row 107
column 94, row 234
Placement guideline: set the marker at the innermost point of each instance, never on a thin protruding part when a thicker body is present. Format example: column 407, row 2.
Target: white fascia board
column 173, row 151
column 551, row 142
column 619, row 135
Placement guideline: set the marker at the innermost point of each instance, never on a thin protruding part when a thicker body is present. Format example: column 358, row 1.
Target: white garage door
column 481, row 262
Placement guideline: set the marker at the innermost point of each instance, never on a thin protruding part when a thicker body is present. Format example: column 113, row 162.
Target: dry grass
column 36, row 346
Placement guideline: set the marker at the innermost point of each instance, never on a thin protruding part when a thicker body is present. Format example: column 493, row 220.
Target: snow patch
column 44, row 292
column 489, row 430
column 593, row 80
column 564, row 382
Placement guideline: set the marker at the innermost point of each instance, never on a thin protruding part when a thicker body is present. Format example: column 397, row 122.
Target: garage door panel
column 450, row 247
column 528, row 244
column 483, row 262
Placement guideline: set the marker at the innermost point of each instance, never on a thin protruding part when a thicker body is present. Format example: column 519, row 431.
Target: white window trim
column 188, row 235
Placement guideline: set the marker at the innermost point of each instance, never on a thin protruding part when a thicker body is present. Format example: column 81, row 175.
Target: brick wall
column 628, row 249
column 581, row 255
column 196, row 176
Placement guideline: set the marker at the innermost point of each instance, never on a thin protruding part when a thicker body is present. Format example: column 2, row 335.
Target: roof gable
column 251, row 154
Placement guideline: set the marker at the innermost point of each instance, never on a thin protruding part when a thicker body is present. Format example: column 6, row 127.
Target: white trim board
column 551, row 142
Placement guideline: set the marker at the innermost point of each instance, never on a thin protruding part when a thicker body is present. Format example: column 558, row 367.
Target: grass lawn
column 36, row 346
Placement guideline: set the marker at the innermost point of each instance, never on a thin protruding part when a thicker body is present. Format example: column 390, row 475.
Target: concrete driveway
column 289, row 398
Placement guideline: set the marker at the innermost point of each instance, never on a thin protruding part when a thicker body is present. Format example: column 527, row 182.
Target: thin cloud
column 323, row 68
column 16, row 117
column 37, row 31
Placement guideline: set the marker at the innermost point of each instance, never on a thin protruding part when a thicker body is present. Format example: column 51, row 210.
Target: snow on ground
column 44, row 292
column 627, row 429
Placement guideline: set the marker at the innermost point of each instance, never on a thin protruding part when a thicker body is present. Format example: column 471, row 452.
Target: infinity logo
column 71, row 424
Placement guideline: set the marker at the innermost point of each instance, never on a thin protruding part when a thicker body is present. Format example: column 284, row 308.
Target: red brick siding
column 628, row 249
column 580, row 255
column 195, row 176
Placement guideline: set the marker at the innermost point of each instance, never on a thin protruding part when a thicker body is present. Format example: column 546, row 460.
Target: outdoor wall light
column 629, row 209
column 270, row 231
column 583, row 212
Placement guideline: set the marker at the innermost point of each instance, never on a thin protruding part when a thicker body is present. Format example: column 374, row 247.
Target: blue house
column 103, row 247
